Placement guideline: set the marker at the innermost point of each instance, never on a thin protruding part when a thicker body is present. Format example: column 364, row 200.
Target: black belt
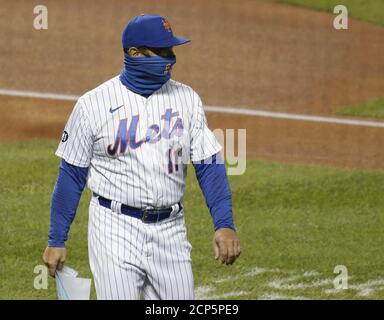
column 147, row 216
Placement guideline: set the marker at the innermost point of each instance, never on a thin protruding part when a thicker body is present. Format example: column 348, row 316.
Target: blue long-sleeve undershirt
column 71, row 181
column 213, row 181
column 65, row 200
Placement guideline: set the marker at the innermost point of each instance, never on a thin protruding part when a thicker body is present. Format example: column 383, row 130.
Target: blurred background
column 307, row 93
column 249, row 54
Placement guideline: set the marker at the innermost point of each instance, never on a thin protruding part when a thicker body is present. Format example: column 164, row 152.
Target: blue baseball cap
column 150, row 30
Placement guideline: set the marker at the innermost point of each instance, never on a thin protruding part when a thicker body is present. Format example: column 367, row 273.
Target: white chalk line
column 228, row 295
column 253, row 272
column 38, row 95
column 363, row 289
column 202, row 292
column 278, row 296
column 217, row 109
column 288, row 284
column 205, row 293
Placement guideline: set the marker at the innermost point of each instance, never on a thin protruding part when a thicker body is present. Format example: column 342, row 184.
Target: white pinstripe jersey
column 137, row 148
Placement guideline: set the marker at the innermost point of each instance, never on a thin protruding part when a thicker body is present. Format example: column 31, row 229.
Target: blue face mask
column 145, row 75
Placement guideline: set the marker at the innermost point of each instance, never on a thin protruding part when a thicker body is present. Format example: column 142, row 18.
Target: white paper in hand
column 71, row 288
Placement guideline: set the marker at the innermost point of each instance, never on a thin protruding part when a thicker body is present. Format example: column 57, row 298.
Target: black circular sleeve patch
column 64, row 137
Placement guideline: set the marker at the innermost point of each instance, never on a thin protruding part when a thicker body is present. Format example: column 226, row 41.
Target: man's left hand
column 226, row 245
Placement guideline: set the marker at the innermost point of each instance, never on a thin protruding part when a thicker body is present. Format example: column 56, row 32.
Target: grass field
column 374, row 109
column 296, row 224
column 368, row 10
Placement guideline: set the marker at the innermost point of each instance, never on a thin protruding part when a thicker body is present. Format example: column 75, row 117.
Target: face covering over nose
column 145, row 75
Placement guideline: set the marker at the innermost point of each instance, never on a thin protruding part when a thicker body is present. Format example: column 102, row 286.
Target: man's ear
column 133, row 52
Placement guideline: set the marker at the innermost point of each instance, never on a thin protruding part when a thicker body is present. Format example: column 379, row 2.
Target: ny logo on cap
column 167, row 25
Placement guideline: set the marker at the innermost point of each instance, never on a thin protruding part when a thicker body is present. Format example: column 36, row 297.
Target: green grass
column 294, row 218
column 368, row 10
column 374, row 109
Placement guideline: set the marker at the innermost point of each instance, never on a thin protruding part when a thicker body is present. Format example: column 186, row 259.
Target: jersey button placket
column 147, row 151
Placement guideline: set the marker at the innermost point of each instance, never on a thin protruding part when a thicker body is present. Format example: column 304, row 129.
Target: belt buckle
column 145, row 216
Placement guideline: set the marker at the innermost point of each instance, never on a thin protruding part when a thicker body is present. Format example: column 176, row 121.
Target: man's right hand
column 54, row 258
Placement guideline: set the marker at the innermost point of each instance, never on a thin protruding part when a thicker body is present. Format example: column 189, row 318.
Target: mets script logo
column 166, row 25
column 126, row 137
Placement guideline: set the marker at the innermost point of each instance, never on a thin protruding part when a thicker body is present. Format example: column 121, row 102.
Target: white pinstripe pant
column 130, row 259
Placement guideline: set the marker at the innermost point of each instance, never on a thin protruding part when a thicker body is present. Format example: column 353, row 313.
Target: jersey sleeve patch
column 76, row 142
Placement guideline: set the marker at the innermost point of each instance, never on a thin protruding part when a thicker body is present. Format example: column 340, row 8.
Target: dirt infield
column 245, row 53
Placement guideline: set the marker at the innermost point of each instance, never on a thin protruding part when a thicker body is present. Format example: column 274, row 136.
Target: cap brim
column 170, row 42
column 179, row 41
